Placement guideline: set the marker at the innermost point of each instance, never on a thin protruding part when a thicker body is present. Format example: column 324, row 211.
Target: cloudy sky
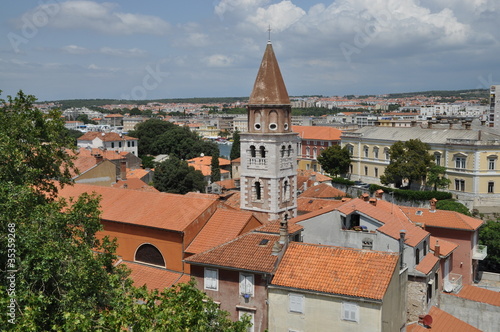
column 130, row 49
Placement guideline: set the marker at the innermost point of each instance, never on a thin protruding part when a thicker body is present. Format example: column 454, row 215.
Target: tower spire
column 269, row 32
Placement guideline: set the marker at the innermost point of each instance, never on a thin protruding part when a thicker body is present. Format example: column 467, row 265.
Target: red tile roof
column 442, row 321
column 154, row 277
column 134, row 184
column 336, row 270
column 243, row 253
column 308, row 204
column 159, row 210
column 137, row 173
column 442, row 218
column 308, row 174
column 427, row 263
column 274, row 227
column 446, row 247
column 105, row 137
column 479, row 294
column 323, row 190
column 318, row 133
column 391, row 216
column 207, row 161
column 223, row 226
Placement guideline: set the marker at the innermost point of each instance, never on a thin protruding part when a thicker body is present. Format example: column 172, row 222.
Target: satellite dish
column 202, row 154
column 448, row 287
column 427, row 320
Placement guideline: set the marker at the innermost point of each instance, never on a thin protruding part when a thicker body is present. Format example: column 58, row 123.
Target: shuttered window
column 211, row 279
column 296, row 303
column 350, row 311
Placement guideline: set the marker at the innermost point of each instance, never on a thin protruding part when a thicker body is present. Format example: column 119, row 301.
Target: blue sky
column 57, row 49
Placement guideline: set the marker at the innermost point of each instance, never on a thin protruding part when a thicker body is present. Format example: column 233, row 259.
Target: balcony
column 453, row 284
column 479, row 252
column 258, row 163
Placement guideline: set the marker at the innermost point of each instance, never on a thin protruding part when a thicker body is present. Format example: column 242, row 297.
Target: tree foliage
column 335, row 160
column 176, row 176
column 235, row 148
column 436, row 178
column 409, row 161
column 32, row 146
column 56, row 274
column 452, row 205
column 489, row 235
column 163, row 137
column 215, row 168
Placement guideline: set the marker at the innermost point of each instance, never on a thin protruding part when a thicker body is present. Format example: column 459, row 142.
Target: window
column 437, row 158
column 289, row 150
column 350, row 311
column 387, row 154
column 491, row 164
column 315, row 153
column 417, row 256
column 459, row 162
column 366, row 170
column 242, row 313
column 252, row 151
column 308, row 151
column 147, row 253
column 296, row 303
column 366, row 151
column 367, row 243
column 375, row 153
column 425, row 248
column 128, row 144
column 257, row 191
column 112, row 145
column 211, row 279
column 376, row 172
column 350, row 148
column 285, row 191
column 262, row 152
column 246, row 284
column 119, row 144
column 491, row 187
column 283, row 151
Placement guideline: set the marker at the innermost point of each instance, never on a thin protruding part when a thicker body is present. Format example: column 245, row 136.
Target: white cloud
column 102, row 17
column 74, row 49
column 279, row 16
column 218, row 60
column 133, row 52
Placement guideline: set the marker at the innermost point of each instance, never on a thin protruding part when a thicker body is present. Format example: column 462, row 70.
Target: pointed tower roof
column 269, row 87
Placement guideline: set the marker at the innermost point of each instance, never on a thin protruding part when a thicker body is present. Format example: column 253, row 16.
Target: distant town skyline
column 153, row 50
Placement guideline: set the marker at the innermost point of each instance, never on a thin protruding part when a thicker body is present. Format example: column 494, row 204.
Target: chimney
column 282, row 243
column 365, row 197
column 379, row 193
column 123, row 170
column 429, row 124
column 468, row 125
column 373, row 201
column 432, row 202
column 483, row 122
column 437, row 249
column 98, row 158
column 402, row 234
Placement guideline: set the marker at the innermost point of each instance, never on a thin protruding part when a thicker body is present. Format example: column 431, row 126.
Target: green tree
column 436, row 178
column 335, row 160
column 215, row 168
column 32, row 146
column 56, row 274
column 176, row 176
column 409, row 161
column 452, row 205
column 235, row 148
column 489, row 235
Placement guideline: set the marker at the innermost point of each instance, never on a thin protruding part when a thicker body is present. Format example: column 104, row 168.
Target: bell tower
column 269, row 147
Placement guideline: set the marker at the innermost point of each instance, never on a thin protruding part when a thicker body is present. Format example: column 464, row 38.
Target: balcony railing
column 453, row 284
column 480, row 252
column 257, row 163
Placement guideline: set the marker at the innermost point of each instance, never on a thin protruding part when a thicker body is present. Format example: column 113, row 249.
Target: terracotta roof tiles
column 318, row 133
column 223, row 226
column 154, row 277
column 323, row 190
column 159, row 210
column 442, row 321
column 308, row 204
column 479, row 294
column 249, row 252
column 336, row 270
column 442, row 218
column 427, row 264
column 446, row 247
column 105, row 137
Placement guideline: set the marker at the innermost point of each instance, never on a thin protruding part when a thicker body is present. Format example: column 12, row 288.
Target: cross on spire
column 269, row 32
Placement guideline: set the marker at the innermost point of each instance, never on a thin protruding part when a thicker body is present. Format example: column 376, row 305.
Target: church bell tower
column 269, row 147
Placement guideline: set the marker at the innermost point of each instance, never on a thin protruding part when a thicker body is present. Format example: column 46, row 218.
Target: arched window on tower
column 262, row 151
column 289, row 150
column 282, row 151
column 257, row 191
column 252, row 151
column 285, row 190
column 148, row 253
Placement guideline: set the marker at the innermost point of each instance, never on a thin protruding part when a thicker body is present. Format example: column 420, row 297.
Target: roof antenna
column 269, row 32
